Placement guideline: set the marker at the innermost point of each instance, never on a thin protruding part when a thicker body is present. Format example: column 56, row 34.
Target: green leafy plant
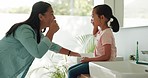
column 87, row 42
column 53, row 71
column 60, row 72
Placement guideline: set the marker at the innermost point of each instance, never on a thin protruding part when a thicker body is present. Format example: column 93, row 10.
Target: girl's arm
column 95, row 30
column 105, row 57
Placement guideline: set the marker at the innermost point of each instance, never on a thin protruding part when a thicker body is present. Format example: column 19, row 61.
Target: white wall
column 127, row 38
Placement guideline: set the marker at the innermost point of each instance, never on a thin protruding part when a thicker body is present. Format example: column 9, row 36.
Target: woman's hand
column 75, row 54
column 54, row 27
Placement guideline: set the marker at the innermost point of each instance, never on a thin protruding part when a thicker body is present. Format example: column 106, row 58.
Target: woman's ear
column 40, row 17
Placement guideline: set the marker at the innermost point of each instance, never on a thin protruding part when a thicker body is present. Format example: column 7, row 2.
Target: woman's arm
column 26, row 36
column 69, row 52
column 55, row 47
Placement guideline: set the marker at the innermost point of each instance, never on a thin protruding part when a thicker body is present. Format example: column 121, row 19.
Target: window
column 71, row 16
column 72, row 7
column 135, row 13
column 130, row 13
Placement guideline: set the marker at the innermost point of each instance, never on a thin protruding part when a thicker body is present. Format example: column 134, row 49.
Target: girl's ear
column 40, row 17
column 102, row 17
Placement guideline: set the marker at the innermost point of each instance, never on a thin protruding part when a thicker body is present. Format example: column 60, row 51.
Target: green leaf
column 87, row 42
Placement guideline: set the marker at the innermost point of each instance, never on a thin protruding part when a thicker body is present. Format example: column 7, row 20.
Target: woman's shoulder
column 24, row 27
column 24, row 30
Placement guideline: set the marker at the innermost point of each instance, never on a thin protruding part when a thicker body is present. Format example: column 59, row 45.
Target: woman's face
column 95, row 19
column 47, row 18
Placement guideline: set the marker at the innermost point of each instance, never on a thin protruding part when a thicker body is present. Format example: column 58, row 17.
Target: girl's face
column 96, row 21
column 47, row 18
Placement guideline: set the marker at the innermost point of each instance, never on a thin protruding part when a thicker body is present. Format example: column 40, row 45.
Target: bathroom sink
column 118, row 69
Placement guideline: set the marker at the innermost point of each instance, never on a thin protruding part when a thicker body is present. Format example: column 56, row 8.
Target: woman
column 105, row 47
column 24, row 42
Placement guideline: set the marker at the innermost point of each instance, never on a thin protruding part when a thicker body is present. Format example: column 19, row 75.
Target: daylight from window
column 70, row 14
column 135, row 13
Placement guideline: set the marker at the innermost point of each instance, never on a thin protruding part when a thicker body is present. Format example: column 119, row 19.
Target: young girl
column 105, row 49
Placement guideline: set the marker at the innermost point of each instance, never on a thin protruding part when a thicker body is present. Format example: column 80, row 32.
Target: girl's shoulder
column 108, row 30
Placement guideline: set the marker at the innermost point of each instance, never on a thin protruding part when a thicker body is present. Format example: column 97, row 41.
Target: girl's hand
column 92, row 21
column 85, row 59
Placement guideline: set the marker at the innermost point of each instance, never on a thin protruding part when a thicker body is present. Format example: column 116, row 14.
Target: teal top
column 18, row 52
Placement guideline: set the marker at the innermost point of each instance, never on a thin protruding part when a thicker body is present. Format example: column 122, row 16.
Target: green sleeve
column 27, row 37
column 54, row 47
